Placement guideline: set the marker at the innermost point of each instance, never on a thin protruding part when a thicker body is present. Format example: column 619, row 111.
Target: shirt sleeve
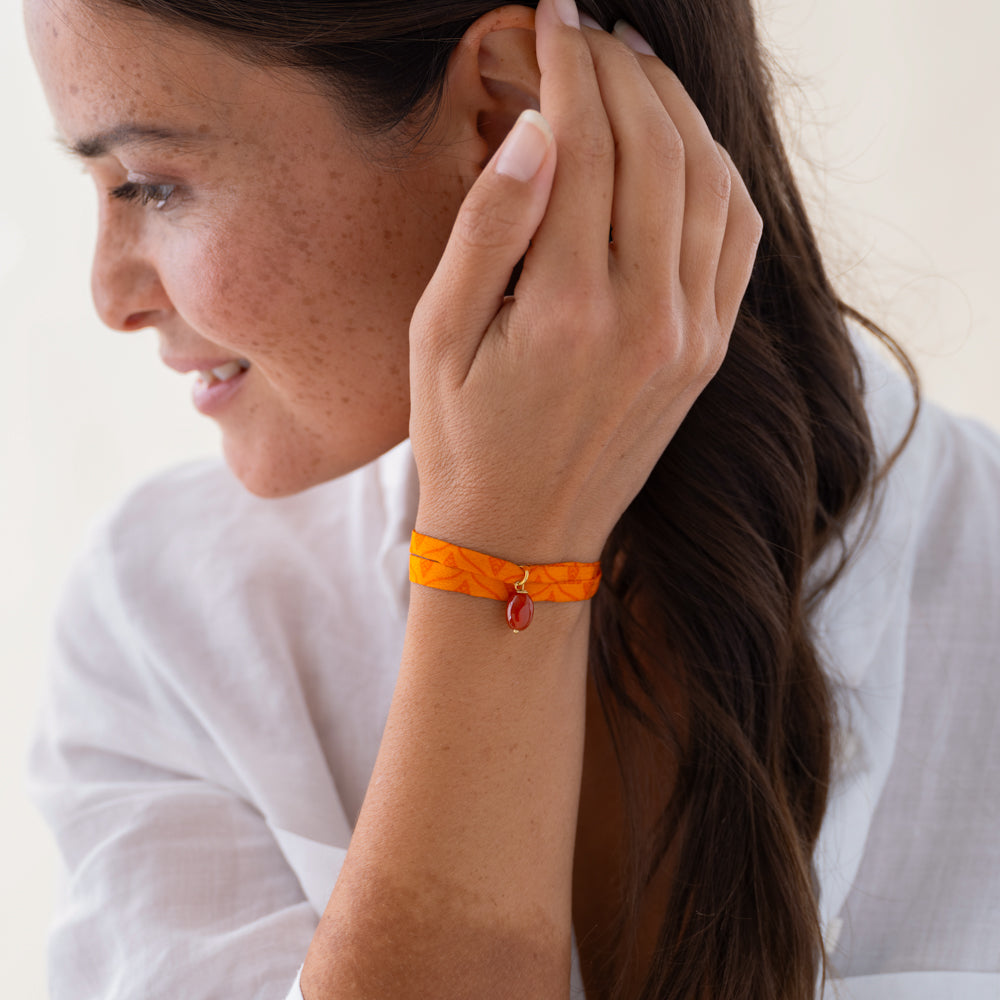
column 175, row 885
column 295, row 993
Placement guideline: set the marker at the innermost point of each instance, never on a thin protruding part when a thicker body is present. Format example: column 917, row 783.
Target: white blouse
column 222, row 669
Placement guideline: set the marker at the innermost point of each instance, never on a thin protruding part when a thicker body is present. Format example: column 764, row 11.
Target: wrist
column 442, row 565
column 526, row 538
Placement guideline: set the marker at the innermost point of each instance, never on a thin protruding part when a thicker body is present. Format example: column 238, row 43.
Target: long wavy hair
column 701, row 651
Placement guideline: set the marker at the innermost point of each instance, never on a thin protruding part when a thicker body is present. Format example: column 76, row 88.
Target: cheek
column 222, row 294
column 321, row 315
column 317, row 291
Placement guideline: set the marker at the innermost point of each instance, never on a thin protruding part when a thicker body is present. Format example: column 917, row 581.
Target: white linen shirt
column 222, row 669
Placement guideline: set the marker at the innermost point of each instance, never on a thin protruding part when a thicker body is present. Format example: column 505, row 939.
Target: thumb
column 492, row 231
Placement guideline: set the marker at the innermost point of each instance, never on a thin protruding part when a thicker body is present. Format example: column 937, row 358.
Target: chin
column 272, row 489
column 282, row 472
column 274, row 475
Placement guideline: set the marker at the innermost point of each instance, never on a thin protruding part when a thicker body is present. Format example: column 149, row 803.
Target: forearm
column 458, row 879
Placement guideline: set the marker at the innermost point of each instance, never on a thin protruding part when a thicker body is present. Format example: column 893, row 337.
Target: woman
column 610, row 340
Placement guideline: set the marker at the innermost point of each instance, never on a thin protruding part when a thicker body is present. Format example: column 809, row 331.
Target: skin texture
column 283, row 242
column 535, row 418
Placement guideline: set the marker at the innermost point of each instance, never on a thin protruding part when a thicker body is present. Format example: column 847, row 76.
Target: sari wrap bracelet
column 443, row 566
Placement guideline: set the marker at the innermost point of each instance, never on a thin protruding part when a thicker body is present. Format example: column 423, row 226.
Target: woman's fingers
column 739, row 247
column 649, row 184
column 721, row 227
column 494, row 226
column 708, row 187
column 683, row 220
column 570, row 248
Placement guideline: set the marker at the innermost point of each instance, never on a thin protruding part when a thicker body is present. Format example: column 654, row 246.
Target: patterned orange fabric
column 444, row 566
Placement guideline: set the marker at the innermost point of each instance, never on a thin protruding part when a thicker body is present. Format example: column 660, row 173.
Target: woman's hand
column 537, row 418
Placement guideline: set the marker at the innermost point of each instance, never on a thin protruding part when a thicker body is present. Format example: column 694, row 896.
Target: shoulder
column 929, row 542
column 190, row 509
column 198, row 523
column 200, row 617
column 191, row 568
column 911, row 635
column 943, row 448
column 940, row 496
column 942, row 488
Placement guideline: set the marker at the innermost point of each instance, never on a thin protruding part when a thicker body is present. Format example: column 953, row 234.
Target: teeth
column 224, row 372
column 228, row 371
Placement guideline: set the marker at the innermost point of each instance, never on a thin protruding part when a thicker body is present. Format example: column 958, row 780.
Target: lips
column 223, row 373
column 202, row 365
column 218, row 381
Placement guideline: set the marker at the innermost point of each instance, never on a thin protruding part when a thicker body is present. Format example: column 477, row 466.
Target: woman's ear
column 492, row 77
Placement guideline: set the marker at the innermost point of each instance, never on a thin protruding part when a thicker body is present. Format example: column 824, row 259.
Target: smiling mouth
column 224, row 372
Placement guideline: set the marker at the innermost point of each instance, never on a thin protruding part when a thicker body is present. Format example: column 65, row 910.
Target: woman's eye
column 156, row 195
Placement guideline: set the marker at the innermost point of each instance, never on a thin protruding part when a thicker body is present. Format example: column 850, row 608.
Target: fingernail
column 568, row 14
column 523, row 150
column 588, row 22
column 632, row 38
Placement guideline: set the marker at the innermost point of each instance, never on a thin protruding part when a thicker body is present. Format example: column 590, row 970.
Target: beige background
column 895, row 106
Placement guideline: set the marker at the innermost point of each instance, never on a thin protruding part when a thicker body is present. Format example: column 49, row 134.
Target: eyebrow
column 130, row 134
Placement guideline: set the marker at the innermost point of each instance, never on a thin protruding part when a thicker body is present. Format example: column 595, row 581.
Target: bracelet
column 444, row 566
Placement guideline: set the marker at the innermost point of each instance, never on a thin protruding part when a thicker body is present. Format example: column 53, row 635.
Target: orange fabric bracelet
column 438, row 564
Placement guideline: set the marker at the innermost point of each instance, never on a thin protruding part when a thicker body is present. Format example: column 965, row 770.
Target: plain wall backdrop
column 893, row 113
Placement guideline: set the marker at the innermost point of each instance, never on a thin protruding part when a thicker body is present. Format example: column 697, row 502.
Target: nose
column 124, row 280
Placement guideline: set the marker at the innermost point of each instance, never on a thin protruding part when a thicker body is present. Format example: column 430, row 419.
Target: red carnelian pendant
column 520, row 607
column 520, row 610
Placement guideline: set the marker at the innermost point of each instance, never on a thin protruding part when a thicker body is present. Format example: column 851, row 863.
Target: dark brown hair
column 708, row 592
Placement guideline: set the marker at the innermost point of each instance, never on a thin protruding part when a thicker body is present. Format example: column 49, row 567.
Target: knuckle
column 697, row 351
column 704, row 347
column 717, row 178
column 667, row 144
column 724, row 154
column 660, row 348
column 668, row 86
column 748, row 228
column 745, row 220
column 737, row 188
column 715, row 345
column 592, row 142
column 482, row 225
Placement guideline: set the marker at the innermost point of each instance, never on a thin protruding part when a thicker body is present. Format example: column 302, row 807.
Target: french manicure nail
column 568, row 14
column 587, row 21
column 522, row 152
column 632, row 38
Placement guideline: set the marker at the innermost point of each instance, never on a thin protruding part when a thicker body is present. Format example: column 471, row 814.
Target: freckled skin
column 287, row 241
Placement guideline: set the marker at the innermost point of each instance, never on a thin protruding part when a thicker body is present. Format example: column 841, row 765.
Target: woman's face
column 241, row 219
